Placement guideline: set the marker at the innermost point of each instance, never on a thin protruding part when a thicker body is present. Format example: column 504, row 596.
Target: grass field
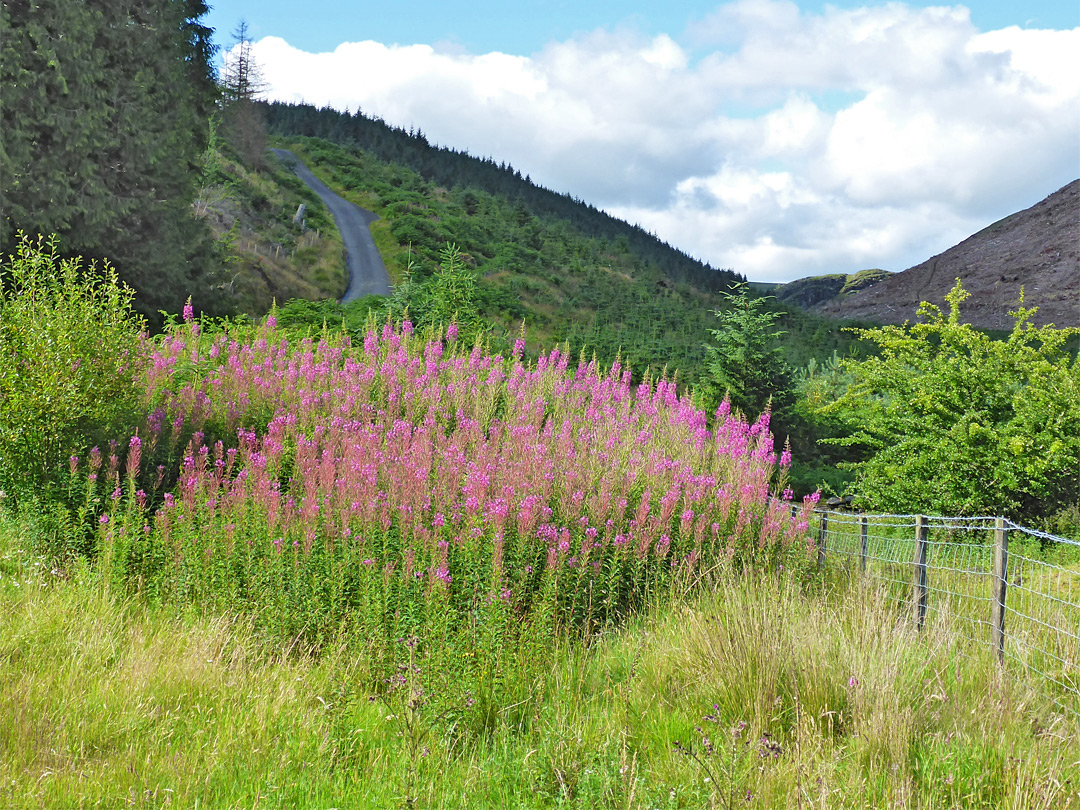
column 110, row 701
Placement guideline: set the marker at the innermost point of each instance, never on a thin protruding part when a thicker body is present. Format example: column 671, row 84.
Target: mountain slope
column 1037, row 249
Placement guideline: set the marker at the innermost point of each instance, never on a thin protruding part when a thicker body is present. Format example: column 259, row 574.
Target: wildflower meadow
column 414, row 491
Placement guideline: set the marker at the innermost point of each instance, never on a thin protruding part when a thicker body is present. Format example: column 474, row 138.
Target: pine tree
column 746, row 365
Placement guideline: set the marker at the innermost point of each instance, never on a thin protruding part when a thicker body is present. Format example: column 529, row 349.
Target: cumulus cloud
column 777, row 142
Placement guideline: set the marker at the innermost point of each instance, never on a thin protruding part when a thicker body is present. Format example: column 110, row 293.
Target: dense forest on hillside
column 453, row 169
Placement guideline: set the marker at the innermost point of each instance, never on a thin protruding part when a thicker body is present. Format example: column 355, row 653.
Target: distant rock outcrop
column 1037, row 249
column 814, row 290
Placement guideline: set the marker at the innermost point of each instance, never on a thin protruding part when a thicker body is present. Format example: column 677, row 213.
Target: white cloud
column 777, row 142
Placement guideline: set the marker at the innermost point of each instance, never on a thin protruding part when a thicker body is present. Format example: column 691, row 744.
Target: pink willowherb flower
column 189, row 311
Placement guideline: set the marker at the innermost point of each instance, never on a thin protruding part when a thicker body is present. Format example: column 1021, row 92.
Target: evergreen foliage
column 242, row 85
column 746, row 365
column 104, row 115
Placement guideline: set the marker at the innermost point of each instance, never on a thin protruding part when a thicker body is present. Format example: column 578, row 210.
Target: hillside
column 1037, row 249
column 583, row 277
column 807, row 292
column 265, row 255
column 449, row 168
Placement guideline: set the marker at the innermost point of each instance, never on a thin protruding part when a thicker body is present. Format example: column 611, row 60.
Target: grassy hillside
column 265, row 255
column 548, row 273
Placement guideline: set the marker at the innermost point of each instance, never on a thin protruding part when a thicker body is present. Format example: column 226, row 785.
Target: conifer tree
column 104, row 114
column 242, row 86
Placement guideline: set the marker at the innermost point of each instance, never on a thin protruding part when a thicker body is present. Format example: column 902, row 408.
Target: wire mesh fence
column 1012, row 590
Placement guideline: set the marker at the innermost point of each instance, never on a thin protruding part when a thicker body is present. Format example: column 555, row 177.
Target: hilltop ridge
column 1036, row 250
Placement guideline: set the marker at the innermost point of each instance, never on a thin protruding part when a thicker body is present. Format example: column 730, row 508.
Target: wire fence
column 1010, row 589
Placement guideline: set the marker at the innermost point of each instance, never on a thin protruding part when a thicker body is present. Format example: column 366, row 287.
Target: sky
column 779, row 139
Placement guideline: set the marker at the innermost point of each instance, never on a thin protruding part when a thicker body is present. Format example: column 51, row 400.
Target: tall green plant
column 70, row 353
column 957, row 423
column 746, row 364
column 452, row 291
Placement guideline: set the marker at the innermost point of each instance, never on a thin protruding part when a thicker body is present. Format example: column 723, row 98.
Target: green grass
column 108, row 700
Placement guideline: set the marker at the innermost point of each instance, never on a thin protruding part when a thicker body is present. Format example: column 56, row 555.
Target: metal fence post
column 862, row 543
column 1000, row 585
column 922, row 589
column 822, row 539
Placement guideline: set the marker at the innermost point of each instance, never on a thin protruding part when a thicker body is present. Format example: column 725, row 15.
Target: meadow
column 406, row 572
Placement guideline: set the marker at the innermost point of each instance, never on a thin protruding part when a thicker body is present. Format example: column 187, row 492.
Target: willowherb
column 410, row 483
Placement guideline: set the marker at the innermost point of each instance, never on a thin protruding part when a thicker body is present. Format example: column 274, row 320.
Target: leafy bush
column 959, row 424
column 70, row 356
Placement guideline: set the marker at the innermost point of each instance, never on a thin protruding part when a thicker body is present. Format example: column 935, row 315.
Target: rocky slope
column 1037, row 249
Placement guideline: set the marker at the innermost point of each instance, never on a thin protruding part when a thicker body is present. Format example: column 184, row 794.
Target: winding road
column 367, row 273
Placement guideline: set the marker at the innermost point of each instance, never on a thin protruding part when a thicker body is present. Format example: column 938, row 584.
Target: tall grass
column 109, row 700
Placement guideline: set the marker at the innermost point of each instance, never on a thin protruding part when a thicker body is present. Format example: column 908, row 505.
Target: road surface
column 367, row 273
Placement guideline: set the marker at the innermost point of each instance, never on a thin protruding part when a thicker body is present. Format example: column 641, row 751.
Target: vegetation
column 242, row 85
column 384, row 554
column 265, row 255
column 110, row 700
column 402, row 570
column 104, row 111
column 564, row 283
column 450, row 169
column 745, row 364
column 959, row 424
column 71, row 360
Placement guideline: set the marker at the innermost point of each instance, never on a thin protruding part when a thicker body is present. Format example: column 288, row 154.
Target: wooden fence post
column 823, row 535
column 922, row 589
column 1000, row 587
column 862, row 543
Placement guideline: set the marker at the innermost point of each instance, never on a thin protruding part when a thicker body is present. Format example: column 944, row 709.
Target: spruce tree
column 242, row 85
column 104, row 113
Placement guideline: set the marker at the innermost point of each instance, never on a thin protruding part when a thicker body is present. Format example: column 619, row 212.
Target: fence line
column 993, row 578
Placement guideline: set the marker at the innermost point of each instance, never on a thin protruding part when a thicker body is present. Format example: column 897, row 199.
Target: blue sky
column 776, row 137
column 523, row 27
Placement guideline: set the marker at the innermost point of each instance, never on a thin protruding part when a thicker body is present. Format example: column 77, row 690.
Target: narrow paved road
column 367, row 273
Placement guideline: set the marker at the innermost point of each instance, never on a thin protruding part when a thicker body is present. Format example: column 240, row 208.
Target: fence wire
column 1040, row 612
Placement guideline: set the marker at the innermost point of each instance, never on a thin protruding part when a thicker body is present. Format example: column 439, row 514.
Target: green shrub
column 70, row 352
column 956, row 423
